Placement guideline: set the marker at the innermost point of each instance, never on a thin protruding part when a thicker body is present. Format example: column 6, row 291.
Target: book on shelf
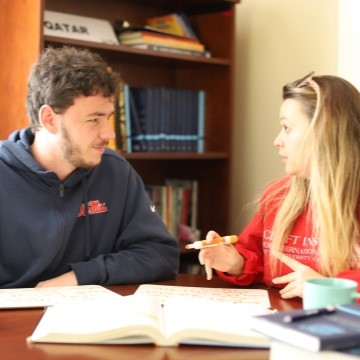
column 280, row 350
column 137, row 101
column 176, row 202
column 137, row 319
column 175, row 23
column 175, row 50
column 120, row 119
column 324, row 331
column 119, row 28
column 148, row 37
column 112, row 144
column 161, row 119
column 127, row 118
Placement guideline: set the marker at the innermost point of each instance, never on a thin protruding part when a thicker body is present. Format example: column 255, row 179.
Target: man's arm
column 67, row 279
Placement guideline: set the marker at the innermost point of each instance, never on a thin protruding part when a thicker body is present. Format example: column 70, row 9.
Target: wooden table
column 17, row 325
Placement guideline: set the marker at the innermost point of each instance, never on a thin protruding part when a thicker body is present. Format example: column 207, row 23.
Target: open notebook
column 47, row 296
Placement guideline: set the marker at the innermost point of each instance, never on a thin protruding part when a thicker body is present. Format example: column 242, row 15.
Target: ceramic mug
column 329, row 291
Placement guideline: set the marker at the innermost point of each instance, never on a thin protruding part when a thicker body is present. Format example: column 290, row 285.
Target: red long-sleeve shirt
column 254, row 245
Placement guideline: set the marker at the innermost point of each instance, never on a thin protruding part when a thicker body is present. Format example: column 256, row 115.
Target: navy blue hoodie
column 99, row 223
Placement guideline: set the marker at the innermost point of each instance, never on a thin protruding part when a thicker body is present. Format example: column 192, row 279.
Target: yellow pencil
column 201, row 244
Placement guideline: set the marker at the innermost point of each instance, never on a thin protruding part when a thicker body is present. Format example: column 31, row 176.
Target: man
column 72, row 211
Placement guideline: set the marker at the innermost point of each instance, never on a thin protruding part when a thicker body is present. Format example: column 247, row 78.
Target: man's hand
column 68, row 279
column 294, row 280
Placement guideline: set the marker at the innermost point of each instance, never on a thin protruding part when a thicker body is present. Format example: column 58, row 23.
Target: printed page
column 48, row 296
column 236, row 296
column 192, row 320
column 127, row 319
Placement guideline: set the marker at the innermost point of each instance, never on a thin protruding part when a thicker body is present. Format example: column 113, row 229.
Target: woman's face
column 294, row 125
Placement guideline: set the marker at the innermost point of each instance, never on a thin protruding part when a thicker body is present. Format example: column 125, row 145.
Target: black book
column 313, row 330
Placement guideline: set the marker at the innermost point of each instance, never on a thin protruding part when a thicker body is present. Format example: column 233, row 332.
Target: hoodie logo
column 93, row 207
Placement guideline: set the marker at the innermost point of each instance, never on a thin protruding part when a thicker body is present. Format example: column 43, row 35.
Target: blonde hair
column 331, row 192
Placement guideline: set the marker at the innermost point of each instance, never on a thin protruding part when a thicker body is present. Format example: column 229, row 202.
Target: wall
column 349, row 41
column 277, row 41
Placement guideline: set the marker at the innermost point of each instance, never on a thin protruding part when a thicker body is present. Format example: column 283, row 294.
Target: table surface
column 17, row 324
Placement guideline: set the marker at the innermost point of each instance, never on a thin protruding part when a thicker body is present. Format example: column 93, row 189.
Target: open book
column 136, row 319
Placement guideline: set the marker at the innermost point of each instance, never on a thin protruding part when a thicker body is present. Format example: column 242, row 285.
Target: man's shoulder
column 113, row 159
column 113, row 155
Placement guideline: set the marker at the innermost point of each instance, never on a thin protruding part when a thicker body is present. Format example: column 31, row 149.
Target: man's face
column 85, row 130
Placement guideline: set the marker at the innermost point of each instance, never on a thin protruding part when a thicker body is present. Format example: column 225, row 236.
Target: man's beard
column 72, row 153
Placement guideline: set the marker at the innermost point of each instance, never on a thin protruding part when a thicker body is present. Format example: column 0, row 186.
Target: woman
column 307, row 223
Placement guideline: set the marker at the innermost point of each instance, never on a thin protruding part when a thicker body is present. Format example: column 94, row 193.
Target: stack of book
column 159, row 119
column 176, row 202
column 312, row 334
column 171, row 32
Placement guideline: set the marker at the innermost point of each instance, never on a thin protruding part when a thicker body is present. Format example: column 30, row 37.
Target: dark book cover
column 137, row 119
column 313, row 330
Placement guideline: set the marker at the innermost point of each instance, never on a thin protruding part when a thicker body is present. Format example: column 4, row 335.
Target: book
column 147, row 37
column 136, row 319
column 201, row 122
column 176, row 23
column 120, row 119
column 48, row 296
column 324, row 331
column 126, row 91
column 112, row 142
column 175, row 50
column 280, row 351
column 180, row 208
column 161, row 119
column 137, row 100
column 119, row 29
column 184, row 19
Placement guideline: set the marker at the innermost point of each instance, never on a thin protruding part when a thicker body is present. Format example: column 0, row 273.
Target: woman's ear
column 48, row 119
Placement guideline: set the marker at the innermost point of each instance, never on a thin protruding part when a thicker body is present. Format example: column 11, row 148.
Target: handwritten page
column 48, row 296
column 236, row 296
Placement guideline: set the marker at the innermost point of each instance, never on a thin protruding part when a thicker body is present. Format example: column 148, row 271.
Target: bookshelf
column 214, row 23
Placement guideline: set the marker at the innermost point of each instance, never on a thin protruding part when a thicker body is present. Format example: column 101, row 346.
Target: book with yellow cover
column 176, row 23
column 138, row 319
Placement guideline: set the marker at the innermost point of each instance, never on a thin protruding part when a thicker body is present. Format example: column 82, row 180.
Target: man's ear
column 48, row 119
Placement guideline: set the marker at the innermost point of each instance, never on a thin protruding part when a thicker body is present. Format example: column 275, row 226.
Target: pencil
column 201, row 244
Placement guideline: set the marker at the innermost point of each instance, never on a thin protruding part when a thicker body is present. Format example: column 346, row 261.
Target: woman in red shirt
column 307, row 222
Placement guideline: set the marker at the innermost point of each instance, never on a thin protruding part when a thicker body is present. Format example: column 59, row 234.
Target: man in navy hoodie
column 72, row 211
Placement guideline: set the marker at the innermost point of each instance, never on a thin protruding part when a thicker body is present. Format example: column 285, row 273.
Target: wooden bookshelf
column 214, row 23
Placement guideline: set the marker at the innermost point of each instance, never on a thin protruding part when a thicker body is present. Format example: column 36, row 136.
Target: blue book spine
column 201, row 121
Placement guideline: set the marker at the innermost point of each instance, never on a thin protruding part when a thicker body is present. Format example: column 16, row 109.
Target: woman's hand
column 223, row 257
column 294, row 280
